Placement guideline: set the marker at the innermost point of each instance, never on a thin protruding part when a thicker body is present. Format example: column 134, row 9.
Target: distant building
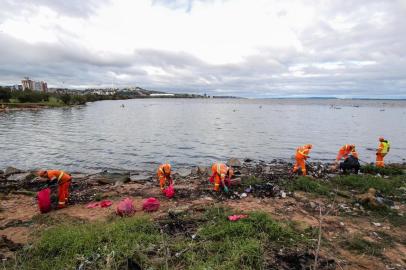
column 17, row 87
column 28, row 84
column 162, row 95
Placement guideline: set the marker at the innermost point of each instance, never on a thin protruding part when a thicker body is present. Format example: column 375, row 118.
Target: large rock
column 203, row 170
column 11, row 170
column 184, row 172
column 20, row 177
column 141, row 177
column 111, row 178
column 233, row 162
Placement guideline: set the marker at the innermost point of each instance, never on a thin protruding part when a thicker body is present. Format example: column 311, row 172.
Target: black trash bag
column 351, row 164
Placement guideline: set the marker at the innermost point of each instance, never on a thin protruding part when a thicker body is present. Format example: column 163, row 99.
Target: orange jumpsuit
column 64, row 180
column 302, row 153
column 163, row 174
column 381, row 153
column 219, row 173
column 345, row 151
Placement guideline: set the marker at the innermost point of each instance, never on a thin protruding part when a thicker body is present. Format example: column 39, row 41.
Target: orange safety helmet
column 381, row 139
column 309, row 146
column 42, row 173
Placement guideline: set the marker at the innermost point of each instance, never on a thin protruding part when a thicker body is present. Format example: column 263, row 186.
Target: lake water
column 187, row 132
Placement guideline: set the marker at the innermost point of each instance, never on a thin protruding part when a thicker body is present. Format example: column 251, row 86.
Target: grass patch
column 362, row 246
column 251, row 181
column 371, row 169
column 309, row 185
column 217, row 243
column 105, row 244
column 362, row 183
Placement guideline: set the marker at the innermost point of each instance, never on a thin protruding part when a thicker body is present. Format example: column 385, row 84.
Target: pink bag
column 169, row 191
column 150, row 205
column 44, row 200
column 125, row 208
column 236, row 217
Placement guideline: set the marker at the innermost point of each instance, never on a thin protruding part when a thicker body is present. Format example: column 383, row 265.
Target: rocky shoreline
column 350, row 209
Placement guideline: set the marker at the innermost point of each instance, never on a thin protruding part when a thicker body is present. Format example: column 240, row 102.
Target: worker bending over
column 221, row 176
column 164, row 175
column 383, row 149
column 345, row 151
column 302, row 153
column 63, row 179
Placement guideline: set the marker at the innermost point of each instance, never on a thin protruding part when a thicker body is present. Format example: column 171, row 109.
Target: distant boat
column 122, row 106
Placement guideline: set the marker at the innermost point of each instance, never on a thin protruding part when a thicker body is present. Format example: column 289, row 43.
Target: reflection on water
column 195, row 131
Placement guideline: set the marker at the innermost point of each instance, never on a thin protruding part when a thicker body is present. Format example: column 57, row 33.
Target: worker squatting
column 221, row 173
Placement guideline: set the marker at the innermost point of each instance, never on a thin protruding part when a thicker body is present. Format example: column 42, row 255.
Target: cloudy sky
column 261, row 48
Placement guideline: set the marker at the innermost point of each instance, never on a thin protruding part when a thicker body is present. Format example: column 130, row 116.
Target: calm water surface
column 104, row 135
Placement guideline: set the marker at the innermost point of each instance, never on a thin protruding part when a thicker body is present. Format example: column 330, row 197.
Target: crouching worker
column 164, row 175
column 63, row 180
column 302, row 153
column 221, row 176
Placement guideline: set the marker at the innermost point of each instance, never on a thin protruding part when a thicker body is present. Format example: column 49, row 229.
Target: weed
column 371, row 169
column 363, row 246
column 309, row 185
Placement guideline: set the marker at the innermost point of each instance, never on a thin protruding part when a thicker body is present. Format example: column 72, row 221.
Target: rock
column 141, row 177
column 203, row 170
column 11, row 170
column 233, row 162
column 266, row 170
column 20, row 177
column 177, row 211
column 312, row 205
column 111, row 178
column 247, row 160
column 184, row 172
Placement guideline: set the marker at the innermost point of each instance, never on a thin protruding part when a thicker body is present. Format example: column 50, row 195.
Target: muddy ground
column 20, row 219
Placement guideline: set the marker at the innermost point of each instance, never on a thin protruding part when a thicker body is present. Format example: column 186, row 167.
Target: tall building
column 33, row 85
column 27, row 84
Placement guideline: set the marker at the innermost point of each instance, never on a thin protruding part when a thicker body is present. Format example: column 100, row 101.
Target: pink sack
column 236, row 217
column 105, row 203
column 44, row 200
column 125, row 208
column 150, row 205
column 169, row 191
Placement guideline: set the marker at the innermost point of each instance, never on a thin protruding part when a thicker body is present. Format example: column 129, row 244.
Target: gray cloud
column 368, row 60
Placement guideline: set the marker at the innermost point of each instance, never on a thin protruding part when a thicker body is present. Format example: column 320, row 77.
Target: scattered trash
column 44, row 200
column 236, row 217
column 243, row 195
column 125, row 208
column 283, row 194
column 102, row 204
column 248, row 190
column 377, row 224
column 150, row 205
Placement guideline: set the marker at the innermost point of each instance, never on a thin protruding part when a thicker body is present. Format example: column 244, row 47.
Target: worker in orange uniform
column 383, row 149
column 345, row 151
column 302, row 153
column 164, row 175
column 221, row 176
column 63, row 179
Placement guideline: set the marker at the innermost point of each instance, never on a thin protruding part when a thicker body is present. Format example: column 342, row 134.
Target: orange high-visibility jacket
column 219, row 170
column 60, row 176
column 302, row 152
column 164, row 170
column 345, row 151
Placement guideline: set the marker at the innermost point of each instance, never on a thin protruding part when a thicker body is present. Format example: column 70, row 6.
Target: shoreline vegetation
column 327, row 220
column 19, row 100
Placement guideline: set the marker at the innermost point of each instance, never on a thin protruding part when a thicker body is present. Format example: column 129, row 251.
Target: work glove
column 225, row 189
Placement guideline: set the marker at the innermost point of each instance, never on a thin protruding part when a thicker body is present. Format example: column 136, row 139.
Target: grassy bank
column 205, row 240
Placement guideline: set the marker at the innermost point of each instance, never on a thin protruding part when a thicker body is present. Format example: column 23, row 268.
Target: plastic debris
column 125, row 208
column 102, row 204
column 150, row 205
column 377, row 224
column 236, row 217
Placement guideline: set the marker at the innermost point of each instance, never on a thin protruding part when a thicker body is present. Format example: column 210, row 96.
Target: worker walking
column 383, row 149
column 302, row 153
column 221, row 176
column 63, row 179
column 164, row 175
